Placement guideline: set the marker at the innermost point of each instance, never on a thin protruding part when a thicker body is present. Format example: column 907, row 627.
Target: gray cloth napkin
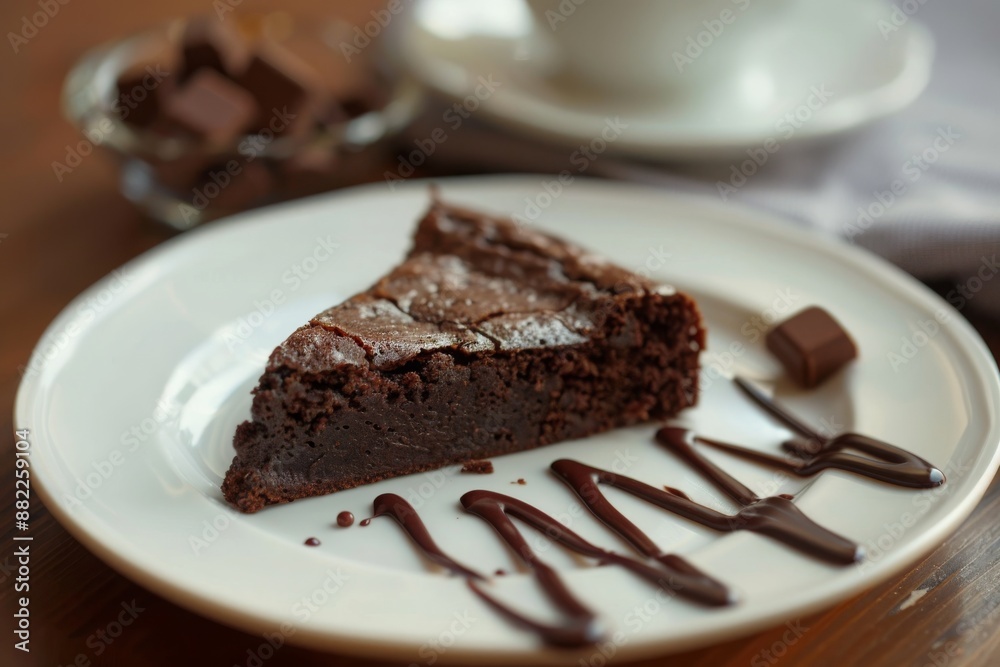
column 942, row 223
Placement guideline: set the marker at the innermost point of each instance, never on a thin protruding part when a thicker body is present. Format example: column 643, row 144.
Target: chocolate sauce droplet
column 312, row 542
column 500, row 573
column 345, row 519
column 365, row 522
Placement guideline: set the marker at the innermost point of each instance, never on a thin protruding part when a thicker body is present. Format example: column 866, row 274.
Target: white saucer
column 834, row 47
column 135, row 390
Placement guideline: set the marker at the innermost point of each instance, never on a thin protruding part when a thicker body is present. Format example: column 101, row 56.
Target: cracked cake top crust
column 470, row 284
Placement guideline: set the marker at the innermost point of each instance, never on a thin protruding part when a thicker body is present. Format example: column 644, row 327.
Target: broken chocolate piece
column 138, row 94
column 211, row 107
column 213, row 44
column 281, row 85
column 811, row 345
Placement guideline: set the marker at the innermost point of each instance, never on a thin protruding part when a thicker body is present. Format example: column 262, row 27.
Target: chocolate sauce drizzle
column 776, row 517
column 677, row 576
column 391, row 505
column 582, row 624
column 891, row 464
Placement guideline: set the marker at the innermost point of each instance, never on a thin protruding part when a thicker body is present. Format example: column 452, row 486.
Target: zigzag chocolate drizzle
column 891, row 464
column 776, row 517
column 582, row 624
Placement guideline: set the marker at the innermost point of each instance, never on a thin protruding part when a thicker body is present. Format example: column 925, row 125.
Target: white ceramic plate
column 836, row 48
column 135, row 390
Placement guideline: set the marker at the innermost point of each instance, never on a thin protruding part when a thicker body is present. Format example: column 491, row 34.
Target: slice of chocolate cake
column 488, row 339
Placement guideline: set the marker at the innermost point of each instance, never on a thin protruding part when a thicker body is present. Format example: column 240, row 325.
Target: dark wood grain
column 59, row 237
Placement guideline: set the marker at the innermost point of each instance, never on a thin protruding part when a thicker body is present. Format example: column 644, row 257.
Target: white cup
column 647, row 47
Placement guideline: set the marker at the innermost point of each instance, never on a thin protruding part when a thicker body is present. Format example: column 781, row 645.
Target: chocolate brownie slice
column 488, row 339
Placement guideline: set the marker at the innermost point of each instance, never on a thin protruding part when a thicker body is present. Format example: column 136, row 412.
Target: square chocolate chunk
column 138, row 96
column 211, row 107
column 811, row 345
column 281, row 84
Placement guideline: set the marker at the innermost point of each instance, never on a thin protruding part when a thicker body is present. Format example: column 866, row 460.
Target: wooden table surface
column 56, row 238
